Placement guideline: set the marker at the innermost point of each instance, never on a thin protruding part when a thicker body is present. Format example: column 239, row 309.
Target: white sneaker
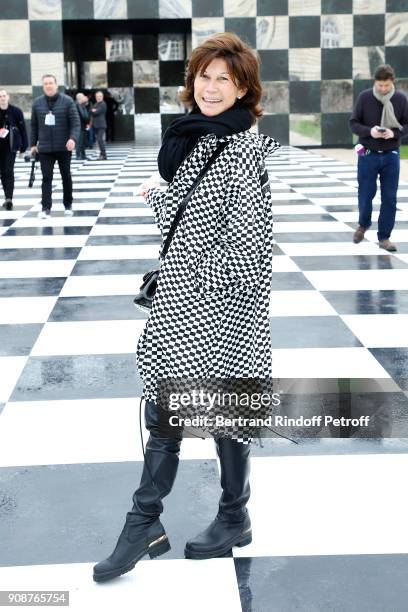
column 68, row 212
column 43, row 215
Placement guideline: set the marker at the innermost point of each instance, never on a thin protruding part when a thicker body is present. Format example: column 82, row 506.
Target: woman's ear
column 242, row 92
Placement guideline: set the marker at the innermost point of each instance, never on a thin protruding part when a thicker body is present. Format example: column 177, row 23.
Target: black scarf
column 183, row 133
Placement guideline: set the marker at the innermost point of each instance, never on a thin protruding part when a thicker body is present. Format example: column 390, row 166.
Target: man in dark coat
column 380, row 118
column 55, row 130
column 13, row 138
column 111, row 106
column 98, row 114
column 81, row 102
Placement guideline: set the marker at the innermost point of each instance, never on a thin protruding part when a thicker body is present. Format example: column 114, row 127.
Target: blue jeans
column 387, row 165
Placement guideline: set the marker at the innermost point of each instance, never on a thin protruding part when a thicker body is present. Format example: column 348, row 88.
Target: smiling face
column 214, row 89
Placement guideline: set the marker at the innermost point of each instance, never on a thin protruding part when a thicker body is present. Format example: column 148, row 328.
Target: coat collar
column 266, row 144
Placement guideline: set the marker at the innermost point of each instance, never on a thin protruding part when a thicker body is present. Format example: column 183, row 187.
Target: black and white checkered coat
column 210, row 315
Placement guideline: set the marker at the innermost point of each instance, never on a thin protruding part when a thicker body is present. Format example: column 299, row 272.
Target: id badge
column 3, row 132
column 49, row 119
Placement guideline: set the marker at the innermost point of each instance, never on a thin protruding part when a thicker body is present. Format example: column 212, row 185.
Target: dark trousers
column 110, row 133
column 7, row 159
column 385, row 165
column 90, row 137
column 100, row 135
column 47, row 161
column 80, row 148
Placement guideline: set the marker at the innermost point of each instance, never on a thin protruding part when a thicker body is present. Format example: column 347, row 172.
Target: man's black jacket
column 50, row 138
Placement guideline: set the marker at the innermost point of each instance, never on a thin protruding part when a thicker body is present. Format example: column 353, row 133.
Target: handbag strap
column 187, row 198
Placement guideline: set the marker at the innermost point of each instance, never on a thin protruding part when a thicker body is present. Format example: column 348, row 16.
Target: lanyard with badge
column 49, row 117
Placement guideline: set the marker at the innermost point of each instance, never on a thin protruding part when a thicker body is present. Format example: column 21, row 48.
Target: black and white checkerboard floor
column 329, row 516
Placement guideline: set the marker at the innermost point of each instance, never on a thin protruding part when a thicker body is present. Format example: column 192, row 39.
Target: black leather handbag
column 147, row 290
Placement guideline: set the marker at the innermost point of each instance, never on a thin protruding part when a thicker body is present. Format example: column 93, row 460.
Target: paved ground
column 329, row 515
column 349, row 156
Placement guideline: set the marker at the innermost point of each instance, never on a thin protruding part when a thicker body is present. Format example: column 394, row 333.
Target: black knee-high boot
column 232, row 525
column 143, row 533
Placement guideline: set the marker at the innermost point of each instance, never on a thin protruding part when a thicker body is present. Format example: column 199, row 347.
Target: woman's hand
column 152, row 182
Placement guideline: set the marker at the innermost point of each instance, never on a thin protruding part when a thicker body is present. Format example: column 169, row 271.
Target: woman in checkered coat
column 210, row 314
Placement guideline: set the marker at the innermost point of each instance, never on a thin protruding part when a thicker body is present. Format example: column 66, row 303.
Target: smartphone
column 382, row 129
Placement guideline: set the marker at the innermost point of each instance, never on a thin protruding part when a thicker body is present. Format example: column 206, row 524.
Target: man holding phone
column 380, row 118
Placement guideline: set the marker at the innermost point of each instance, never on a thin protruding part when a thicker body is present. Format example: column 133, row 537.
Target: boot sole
column 243, row 541
column 154, row 551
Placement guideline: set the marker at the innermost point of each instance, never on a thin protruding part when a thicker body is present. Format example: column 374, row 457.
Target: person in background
column 90, row 136
column 380, row 118
column 98, row 114
column 55, row 130
column 13, row 138
column 81, row 102
column 111, row 108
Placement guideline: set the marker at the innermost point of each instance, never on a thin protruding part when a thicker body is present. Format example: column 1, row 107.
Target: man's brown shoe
column 359, row 234
column 387, row 245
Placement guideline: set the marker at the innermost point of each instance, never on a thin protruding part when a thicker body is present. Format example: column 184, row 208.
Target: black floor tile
column 339, row 583
column 88, row 531
column 105, row 308
column 119, row 266
column 24, row 287
column 18, row 339
column 78, row 376
column 311, row 332
column 387, row 301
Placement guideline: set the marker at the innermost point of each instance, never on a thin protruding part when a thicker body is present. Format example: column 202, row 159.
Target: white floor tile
column 338, row 189
column 55, row 222
column 352, row 217
column 36, row 268
column 350, row 505
column 287, row 227
column 297, row 209
column 298, row 304
column 104, row 430
column 140, row 229
column 11, row 214
column 183, row 585
column 42, row 242
column 102, row 284
column 283, row 263
column 398, row 235
column 352, row 280
column 326, row 363
column 26, row 309
column 328, row 248
column 88, row 337
column 126, row 212
column 379, row 330
column 136, row 251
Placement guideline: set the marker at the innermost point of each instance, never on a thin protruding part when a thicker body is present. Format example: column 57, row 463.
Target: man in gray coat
column 98, row 114
column 55, row 130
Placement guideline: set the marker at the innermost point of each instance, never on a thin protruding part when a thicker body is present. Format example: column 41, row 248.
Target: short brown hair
column 384, row 72
column 49, row 76
column 243, row 66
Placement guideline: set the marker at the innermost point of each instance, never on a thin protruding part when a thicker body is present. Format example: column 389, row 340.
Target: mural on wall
column 316, row 56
